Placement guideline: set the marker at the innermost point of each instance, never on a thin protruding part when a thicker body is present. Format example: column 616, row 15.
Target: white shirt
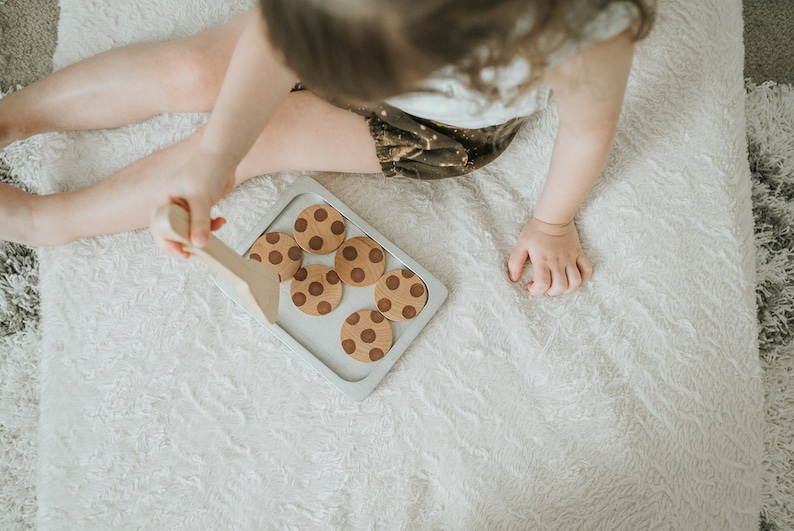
column 447, row 96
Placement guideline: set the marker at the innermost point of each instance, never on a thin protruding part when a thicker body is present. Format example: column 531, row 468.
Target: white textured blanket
column 634, row 403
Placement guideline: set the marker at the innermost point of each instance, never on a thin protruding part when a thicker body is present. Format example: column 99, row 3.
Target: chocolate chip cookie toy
column 366, row 336
column 360, row 261
column 316, row 289
column 279, row 251
column 400, row 295
column 320, row 229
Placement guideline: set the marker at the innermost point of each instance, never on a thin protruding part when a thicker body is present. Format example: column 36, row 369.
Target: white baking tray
column 316, row 339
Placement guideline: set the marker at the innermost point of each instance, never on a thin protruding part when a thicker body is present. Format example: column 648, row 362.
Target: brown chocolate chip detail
column 349, row 345
column 316, row 243
column 407, row 273
column 375, row 354
column 331, row 277
column 294, row 253
column 272, row 237
column 321, row 214
column 255, row 257
column 368, row 335
column 357, row 274
column 376, row 256
column 392, row 282
column 417, row 290
column 301, row 224
column 301, row 274
column 376, row 317
column 323, row 307
column 275, row 257
column 409, row 312
column 337, row 227
column 350, row 253
column 315, row 288
column 299, row 299
column 384, row 305
column 353, row 318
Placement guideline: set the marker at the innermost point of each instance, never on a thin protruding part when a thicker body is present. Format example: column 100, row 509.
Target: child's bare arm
column 589, row 89
column 255, row 85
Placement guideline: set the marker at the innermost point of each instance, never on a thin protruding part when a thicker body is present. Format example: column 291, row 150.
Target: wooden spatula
column 255, row 283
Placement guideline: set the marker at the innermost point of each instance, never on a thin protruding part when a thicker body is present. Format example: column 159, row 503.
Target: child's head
column 368, row 50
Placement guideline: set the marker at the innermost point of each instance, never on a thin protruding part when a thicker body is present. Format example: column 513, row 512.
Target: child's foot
column 17, row 222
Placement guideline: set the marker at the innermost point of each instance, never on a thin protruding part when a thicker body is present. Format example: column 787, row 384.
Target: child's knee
column 190, row 78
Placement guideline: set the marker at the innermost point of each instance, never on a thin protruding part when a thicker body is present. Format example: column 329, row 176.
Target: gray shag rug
column 19, row 383
column 19, row 297
column 770, row 146
column 770, row 137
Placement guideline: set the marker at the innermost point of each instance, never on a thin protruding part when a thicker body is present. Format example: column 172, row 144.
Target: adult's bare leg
column 306, row 133
column 124, row 85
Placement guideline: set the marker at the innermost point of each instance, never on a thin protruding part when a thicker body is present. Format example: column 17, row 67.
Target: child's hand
column 559, row 264
column 196, row 187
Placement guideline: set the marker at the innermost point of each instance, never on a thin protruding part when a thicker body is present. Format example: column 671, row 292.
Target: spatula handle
column 255, row 284
column 173, row 223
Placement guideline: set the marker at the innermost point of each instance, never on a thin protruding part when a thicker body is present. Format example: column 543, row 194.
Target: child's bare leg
column 306, row 133
column 124, row 85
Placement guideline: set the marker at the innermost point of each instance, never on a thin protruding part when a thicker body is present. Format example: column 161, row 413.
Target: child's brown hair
column 368, row 50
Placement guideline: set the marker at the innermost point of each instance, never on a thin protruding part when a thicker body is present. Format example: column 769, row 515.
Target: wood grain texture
column 400, row 295
column 366, row 336
column 360, row 261
column 256, row 284
column 279, row 251
column 320, row 229
column 316, row 289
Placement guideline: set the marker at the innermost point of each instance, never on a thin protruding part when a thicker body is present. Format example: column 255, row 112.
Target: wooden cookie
column 400, row 294
column 279, row 251
column 320, row 229
column 360, row 261
column 316, row 289
column 366, row 336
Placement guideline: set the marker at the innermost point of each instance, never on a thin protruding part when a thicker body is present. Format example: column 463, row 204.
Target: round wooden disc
column 360, row 261
column 279, row 251
column 316, row 289
column 400, row 295
column 320, row 229
column 366, row 336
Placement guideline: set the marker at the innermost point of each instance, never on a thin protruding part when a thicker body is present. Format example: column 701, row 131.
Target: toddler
column 421, row 89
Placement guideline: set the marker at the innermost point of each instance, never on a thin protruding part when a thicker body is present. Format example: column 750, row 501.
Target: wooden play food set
column 350, row 301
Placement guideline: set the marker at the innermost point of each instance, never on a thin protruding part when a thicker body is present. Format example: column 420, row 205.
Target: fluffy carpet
column 27, row 40
column 770, row 118
column 161, row 406
column 19, row 389
column 770, row 143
